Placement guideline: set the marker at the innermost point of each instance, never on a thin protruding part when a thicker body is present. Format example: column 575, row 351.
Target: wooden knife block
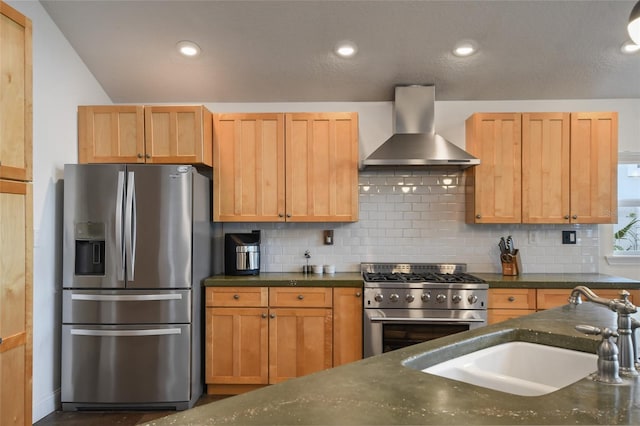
column 514, row 267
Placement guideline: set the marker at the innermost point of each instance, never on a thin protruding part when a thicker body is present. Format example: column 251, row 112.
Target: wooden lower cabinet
column 507, row 303
column 347, row 325
column 300, row 342
column 553, row 297
column 16, row 281
column 257, row 336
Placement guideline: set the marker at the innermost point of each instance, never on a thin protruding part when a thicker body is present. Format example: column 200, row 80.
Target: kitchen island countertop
column 382, row 390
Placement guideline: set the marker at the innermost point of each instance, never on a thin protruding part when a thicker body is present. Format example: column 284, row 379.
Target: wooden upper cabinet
column 545, row 167
column 594, row 167
column 298, row 167
column 16, row 110
column 248, row 182
column 322, row 167
column 111, row 134
column 493, row 190
column 178, row 135
column 553, row 168
column 145, row 134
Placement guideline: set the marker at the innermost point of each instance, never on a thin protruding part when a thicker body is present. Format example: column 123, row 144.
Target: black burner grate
column 433, row 277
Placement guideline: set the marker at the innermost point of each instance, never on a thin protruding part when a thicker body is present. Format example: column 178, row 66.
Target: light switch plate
column 568, row 237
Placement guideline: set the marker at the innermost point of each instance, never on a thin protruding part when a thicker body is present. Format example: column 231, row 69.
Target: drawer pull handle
column 358, row 294
column 272, row 316
column 512, row 299
column 264, row 315
column 300, row 297
column 236, row 296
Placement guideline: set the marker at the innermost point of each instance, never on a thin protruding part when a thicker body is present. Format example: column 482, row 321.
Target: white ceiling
column 281, row 51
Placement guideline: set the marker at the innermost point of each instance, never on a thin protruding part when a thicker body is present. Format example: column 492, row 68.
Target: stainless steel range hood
column 415, row 142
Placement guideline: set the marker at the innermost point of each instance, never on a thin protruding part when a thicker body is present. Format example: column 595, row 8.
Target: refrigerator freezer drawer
column 127, row 366
column 126, row 307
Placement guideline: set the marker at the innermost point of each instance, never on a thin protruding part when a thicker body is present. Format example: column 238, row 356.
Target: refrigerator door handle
column 125, row 333
column 125, row 297
column 130, row 226
column 119, row 212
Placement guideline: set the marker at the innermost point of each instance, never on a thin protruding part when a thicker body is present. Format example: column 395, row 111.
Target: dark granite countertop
column 568, row 280
column 279, row 279
column 354, row 279
column 381, row 390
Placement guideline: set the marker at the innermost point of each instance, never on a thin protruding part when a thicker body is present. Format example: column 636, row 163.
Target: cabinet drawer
column 300, row 297
column 512, row 298
column 237, row 296
column 551, row 298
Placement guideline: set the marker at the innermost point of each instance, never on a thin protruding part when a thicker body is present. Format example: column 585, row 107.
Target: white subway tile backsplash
column 418, row 216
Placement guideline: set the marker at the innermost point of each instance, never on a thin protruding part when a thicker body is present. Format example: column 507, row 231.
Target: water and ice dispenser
column 90, row 248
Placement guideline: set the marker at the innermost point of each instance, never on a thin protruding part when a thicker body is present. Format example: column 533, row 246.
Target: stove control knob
column 425, row 297
column 456, row 298
column 472, row 299
column 394, row 297
column 378, row 297
column 441, row 297
column 409, row 298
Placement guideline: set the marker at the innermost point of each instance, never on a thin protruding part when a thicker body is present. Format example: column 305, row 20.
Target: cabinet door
column 248, row 184
column 15, row 302
column 178, row 135
column 545, row 167
column 347, row 325
column 300, row 342
column 322, row 167
column 236, row 349
column 494, row 187
column 594, row 167
column 111, row 134
column 16, row 134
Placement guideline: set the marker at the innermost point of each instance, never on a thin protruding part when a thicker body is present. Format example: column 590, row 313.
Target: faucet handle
column 608, row 364
column 595, row 331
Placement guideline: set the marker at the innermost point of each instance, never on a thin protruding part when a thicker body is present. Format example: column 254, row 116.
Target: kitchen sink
column 517, row 367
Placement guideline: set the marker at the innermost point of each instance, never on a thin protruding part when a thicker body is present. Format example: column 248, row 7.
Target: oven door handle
column 422, row 320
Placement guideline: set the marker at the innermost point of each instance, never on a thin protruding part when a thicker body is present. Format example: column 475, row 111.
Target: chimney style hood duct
column 415, row 142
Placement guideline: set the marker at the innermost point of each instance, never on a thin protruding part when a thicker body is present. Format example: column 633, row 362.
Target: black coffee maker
column 242, row 253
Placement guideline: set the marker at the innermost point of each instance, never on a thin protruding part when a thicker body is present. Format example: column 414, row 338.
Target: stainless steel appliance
column 405, row 304
column 137, row 243
column 415, row 141
column 242, row 253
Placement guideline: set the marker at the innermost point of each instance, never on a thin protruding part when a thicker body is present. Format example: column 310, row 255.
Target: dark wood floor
column 103, row 418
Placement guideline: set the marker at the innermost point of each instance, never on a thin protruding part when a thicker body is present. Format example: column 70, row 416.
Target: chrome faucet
column 624, row 308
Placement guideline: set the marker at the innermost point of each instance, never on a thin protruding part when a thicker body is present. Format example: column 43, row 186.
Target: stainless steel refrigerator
column 137, row 243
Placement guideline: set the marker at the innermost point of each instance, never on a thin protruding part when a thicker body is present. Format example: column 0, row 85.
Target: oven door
column 389, row 329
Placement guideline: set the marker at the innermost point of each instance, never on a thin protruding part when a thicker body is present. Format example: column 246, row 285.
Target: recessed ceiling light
column 629, row 47
column 464, row 48
column 188, row 48
column 346, row 49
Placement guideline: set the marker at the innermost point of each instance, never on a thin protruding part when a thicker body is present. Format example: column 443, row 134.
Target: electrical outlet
column 568, row 237
column 328, row 237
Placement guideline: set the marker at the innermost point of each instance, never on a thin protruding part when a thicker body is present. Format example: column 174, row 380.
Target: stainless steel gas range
column 410, row 303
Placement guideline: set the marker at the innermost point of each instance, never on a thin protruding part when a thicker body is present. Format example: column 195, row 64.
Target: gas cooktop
column 440, row 273
column 420, row 277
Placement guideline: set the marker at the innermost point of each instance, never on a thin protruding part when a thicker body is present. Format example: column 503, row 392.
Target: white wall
column 61, row 82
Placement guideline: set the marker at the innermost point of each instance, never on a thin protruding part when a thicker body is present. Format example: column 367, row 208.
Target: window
column 626, row 233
